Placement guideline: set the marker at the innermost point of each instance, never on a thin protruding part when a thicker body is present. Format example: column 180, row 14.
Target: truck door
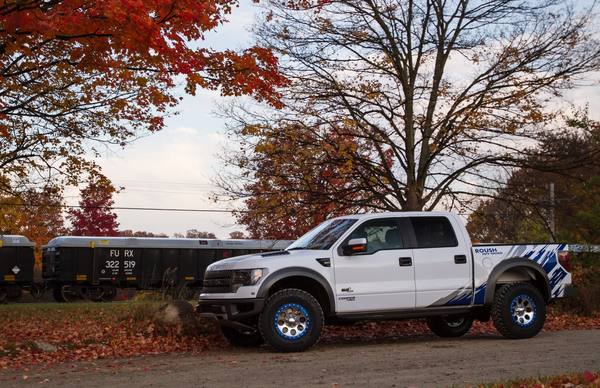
column 442, row 263
column 382, row 277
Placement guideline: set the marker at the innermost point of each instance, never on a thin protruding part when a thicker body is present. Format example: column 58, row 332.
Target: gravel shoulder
column 422, row 362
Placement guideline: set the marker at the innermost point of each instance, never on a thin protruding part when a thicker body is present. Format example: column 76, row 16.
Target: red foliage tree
column 295, row 180
column 95, row 216
column 79, row 71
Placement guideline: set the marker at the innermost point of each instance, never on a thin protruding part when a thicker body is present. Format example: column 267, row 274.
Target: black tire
column 304, row 328
column 519, row 311
column 242, row 340
column 450, row 326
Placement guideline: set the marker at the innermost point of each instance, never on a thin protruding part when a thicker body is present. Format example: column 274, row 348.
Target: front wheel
column 519, row 311
column 450, row 326
column 242, row 340
column 291, row 321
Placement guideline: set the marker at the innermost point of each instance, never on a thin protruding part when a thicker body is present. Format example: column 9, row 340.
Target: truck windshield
column 324, row 235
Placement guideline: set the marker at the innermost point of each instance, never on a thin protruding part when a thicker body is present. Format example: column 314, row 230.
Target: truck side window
column 433, row 232
column 380, row 234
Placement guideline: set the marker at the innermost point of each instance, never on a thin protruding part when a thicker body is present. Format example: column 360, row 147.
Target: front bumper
column 230, row 309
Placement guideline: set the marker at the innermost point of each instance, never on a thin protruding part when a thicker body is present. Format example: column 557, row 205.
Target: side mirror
column 354, row 246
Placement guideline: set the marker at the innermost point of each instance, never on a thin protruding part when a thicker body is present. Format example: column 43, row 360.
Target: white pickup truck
column 384, row 266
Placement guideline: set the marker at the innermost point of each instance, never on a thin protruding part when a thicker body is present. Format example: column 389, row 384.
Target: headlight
column 247, row 277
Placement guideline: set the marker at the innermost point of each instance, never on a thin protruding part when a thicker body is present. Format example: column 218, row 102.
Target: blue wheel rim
column 523, row 310
column 291, row 321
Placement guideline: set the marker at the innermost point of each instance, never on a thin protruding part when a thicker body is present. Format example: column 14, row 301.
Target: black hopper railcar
column 16, row 267
column 94, row 268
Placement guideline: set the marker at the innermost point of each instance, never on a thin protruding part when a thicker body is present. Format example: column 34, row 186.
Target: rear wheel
column 450, row 326
column 519, row 311
column 243, row 340
column 291, row 321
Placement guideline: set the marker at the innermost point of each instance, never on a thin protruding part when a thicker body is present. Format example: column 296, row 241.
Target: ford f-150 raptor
column 384, row 266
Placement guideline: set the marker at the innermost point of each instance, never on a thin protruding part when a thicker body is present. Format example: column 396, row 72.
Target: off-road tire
column 450, row 326
column 507, row 322
column 242, row 340
column 312, row 326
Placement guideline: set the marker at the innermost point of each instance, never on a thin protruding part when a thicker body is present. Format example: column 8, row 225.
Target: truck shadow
column 426, row 339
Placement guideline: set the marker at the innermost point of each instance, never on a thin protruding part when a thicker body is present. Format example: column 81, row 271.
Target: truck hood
column 265, row 260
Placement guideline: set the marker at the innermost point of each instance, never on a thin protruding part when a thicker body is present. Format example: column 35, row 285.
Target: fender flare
column 514, row 262
column 283, row 273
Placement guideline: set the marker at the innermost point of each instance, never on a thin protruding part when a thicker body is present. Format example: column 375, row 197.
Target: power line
column 122, row 208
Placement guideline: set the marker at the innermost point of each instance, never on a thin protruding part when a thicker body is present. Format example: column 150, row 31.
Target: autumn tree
column 194, row 233
column 237, row 235
column 78, row 74
column 295, row 185
column 141, row 233
column 525, row 208
column 94, row 217
column 442, row 98
column 36, row 213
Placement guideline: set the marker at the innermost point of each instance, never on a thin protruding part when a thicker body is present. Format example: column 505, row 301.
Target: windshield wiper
column 296, row 248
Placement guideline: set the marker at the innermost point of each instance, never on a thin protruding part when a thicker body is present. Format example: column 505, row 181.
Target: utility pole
column 552, row 221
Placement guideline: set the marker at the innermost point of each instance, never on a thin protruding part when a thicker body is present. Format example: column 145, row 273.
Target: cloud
column 170, row 169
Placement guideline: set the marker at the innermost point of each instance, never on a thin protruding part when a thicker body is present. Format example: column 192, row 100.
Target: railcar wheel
column 36, row 291
column 63, row 294
column 14, row 293
column 109, row 294
column 3, row 295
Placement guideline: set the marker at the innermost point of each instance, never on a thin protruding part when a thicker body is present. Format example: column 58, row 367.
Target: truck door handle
column 460, row 259
column 405, row 261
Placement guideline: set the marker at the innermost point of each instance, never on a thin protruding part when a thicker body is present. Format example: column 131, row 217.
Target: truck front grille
column 216, row 282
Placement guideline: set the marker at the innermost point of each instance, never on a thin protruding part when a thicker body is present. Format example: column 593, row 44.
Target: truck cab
column 383, row 266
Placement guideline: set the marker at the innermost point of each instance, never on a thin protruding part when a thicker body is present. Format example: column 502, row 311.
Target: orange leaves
column 51, row 333
column 585, row 379
column 410, row 328
column 88, row 332
column 103, row 71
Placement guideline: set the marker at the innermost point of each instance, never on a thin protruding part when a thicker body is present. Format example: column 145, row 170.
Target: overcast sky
column 173, row 168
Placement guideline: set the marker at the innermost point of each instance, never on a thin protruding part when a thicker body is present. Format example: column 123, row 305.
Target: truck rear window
column 433, row 232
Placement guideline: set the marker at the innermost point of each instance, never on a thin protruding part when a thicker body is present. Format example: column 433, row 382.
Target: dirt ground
column 421, row 362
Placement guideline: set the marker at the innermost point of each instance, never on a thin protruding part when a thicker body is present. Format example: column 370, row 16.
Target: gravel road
column 419, row 362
